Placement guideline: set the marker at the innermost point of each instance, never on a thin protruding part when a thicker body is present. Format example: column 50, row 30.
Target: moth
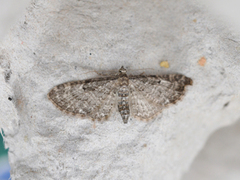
column 139, row 96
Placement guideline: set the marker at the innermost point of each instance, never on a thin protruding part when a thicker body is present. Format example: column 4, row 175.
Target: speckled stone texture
column 59, row 41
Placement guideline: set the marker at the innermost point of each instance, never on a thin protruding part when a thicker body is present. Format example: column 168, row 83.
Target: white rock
column 59, row 41
column 219, row 159
column 9, row 11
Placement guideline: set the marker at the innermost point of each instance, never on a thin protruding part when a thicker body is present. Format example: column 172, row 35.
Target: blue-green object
column 4, row 165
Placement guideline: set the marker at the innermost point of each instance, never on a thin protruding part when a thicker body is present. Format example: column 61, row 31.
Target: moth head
column 122, row 70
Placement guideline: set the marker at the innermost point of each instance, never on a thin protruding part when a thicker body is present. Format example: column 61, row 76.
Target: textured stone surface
column 60, row 41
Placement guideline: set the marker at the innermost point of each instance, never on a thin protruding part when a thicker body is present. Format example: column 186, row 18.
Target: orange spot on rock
column 202, row 61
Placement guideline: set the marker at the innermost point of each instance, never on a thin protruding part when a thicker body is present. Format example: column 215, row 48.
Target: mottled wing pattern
column 94, row 98
column 140, row 107
column 151, row 93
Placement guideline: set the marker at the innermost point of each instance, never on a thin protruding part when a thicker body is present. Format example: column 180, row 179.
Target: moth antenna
column 140, row 69
column 100, row 73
